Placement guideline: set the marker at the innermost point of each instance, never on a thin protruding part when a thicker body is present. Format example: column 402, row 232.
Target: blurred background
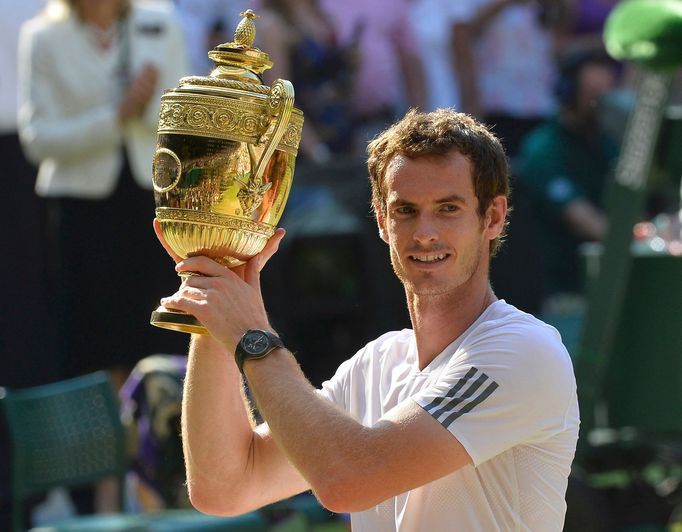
column 588, row 251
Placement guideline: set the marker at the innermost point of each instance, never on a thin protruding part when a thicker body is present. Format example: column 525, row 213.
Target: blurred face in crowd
column 595, row 81
column 438, row 241
column 96, row 9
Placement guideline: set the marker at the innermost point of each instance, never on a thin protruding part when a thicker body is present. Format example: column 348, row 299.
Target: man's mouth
column 429, row 258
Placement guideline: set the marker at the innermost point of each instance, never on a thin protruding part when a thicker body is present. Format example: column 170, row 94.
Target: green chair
column 164, row 521
column 69, row 433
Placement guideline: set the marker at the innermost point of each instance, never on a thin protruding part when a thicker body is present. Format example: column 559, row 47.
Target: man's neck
column 439, row 320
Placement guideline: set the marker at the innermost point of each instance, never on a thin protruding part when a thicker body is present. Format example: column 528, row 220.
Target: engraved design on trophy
column 225, row 160
column 251, row 195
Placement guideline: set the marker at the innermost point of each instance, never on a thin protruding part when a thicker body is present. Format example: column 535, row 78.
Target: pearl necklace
column 103, row 38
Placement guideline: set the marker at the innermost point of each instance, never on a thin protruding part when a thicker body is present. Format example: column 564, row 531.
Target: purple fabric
column 150, row 407
column 591, row 15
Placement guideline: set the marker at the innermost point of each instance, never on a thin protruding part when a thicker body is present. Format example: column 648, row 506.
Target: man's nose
column 425, row 230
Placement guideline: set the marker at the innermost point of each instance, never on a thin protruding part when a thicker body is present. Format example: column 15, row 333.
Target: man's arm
column 232, row 465
column 350, row 467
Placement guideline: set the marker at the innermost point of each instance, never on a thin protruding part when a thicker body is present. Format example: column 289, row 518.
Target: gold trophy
column 225, row 159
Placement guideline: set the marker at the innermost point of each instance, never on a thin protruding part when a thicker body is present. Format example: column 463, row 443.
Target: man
column 564, row 164
column 469, row 422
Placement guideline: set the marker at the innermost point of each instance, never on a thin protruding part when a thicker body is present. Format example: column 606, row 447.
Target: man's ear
column 381, row 222
column 497, row 214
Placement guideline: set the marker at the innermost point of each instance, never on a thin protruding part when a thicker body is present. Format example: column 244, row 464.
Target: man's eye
column 449, row 207
column 404, row 210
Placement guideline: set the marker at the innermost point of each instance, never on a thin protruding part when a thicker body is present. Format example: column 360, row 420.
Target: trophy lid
column 239, row 59
column 232, row 102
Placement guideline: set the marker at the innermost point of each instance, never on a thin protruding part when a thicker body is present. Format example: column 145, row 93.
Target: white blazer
column 69, row 92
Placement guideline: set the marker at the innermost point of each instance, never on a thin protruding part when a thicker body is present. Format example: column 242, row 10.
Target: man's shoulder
column 389, row 343
column 390, row 346
column 391, row 337
column 383, row 354
column 506, row 329
column 523, row 355
column 503, row 314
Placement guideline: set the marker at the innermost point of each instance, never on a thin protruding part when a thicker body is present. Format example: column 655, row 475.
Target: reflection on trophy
column 225, row 160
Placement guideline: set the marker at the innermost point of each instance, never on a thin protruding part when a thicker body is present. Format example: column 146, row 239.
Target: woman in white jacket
column 91, row 76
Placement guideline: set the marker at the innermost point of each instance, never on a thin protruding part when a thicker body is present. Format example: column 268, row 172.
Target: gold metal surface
column 225, row 160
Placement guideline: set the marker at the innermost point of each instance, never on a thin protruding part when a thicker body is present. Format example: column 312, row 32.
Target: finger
column 142, row 95
column 201, row 282
column 150, row 77
column 192, row 292
column 159, row 234
column 239, row 270
column 257, row 263
column 204, row 266
column 150, row 71
column 184, row 304
column 272, row 246
column 145, row 87
column 147, row 72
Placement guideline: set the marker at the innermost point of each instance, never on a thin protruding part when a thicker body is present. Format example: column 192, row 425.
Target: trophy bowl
column 224, row 161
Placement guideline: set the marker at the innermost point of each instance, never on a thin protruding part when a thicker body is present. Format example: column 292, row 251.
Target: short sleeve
column 507, row 387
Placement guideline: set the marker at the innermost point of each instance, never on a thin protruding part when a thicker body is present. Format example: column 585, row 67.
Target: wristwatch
column 255, row 343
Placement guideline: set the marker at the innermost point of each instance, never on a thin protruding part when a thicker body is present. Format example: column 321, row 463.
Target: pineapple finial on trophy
column 245, row 34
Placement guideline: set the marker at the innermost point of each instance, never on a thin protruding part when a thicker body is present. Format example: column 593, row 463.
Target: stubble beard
column 428, row 285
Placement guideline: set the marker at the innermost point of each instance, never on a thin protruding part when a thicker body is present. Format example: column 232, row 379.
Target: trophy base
column 176, row 321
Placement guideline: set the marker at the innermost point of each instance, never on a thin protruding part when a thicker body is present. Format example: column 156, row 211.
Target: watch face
column 255, row 342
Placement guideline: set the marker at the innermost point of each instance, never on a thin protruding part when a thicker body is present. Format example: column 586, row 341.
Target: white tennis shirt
column 506, row 390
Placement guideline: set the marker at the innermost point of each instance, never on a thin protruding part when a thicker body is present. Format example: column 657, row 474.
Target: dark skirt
column 110, row 273
column 25, row 335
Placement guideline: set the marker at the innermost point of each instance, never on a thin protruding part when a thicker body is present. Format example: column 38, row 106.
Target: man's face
column 437, row 240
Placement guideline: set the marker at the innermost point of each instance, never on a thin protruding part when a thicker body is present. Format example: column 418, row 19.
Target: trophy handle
column 280, row 105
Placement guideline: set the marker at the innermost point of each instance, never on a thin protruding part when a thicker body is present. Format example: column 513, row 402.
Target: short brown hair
column 437, row 133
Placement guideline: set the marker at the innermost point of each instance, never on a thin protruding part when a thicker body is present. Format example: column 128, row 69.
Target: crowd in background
column 79, row 100
column 88, row 86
